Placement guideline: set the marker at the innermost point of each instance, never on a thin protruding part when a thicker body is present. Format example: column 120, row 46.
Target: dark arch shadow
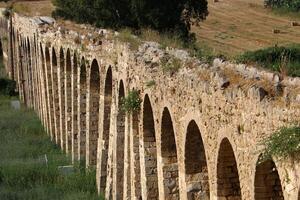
column 106, row 127
column 169, row 156
column 94, row 98
column 120, row 141
column 267, row 183
column 195, row 164
column 150, row 150
column 55, row 100
column 227, row 172
column 82, row 92
column 61, row 86
column 68, row 100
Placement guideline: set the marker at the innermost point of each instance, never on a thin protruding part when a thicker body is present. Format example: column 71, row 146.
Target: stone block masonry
column 196, row 136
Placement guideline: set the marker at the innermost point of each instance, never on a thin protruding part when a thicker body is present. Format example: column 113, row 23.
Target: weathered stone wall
column 197, row 134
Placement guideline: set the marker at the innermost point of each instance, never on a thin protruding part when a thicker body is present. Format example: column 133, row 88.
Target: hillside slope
column 234, row 26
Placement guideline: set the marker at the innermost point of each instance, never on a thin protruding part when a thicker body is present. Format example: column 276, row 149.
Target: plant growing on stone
column 171, row 65
column 150, row 83
column 283, row 143
column 132, row 102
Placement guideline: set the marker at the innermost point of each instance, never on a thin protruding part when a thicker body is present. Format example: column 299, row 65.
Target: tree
column 175, row 16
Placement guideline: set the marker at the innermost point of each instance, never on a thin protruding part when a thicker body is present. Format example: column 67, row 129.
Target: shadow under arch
column 61, row 88
column 120, row 141
column 74, row 93
column 55, row 89
column 169, row 156
column 94, row 98
column 106, row 128
column 68, row 101
column 196, row 170
column 267, row 184
column 228, row 183
column 150, row 150
column 82, row 92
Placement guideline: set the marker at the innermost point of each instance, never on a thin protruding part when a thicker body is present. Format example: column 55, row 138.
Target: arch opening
column 267, row 182
column 195, row 164
column 82, row 92
column 94, row 98
column 68, row 101
column 136, row 155
column 227, row 173
column 55, row 88
column 106, row 127
column 120, row 142
column 44, row 84
column 30, row 85
column 74, row 103
column 150, row 150
column 169, row 157
column 61, row 88
column 50, row 93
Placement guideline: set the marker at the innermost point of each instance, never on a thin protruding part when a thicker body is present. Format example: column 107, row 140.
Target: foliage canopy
column 162, row 15
column 283, row 143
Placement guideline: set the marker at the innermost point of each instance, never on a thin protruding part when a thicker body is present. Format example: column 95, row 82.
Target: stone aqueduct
column 196, row 136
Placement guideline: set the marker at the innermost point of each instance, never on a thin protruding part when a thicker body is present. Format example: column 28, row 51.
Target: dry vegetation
column 31, row 7
column 234, row 26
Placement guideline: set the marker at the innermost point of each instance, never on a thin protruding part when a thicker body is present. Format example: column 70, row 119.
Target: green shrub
column 132, row 102
column 291, row 5
column 170, row 65
column 278, row 59
column 281, row 144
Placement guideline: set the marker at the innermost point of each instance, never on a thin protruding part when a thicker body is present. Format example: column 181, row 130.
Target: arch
column 227, row 172
column 49, row 90
column 299, row 194
column 75, row 104
column 106, row 126
column 44, row 84
column 55, row 98
column 267, row 183
column 169, row 156
column 120, row 142
column 195, row 164
column 68, row 101
column 150, row 150
column 61, row 88
column 2, row 68
column 136, row 155
column 82, row 92
column 94, row 98
column 29, row 73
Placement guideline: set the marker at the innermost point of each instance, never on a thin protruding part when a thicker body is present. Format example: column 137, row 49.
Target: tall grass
column 282, row 59
column 24, row 171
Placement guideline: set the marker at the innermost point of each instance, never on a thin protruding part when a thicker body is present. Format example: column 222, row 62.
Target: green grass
column 286, row 12
column 24, row 173
column 282, row 59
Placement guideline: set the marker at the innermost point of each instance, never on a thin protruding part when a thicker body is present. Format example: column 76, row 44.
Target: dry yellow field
column 234, row 26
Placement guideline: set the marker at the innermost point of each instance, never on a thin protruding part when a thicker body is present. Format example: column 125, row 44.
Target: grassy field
column 29, row 161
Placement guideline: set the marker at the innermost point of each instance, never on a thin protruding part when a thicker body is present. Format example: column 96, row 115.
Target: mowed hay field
column 235, row 26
